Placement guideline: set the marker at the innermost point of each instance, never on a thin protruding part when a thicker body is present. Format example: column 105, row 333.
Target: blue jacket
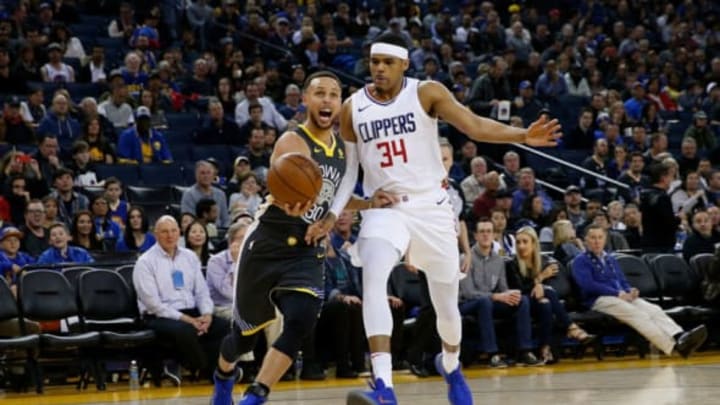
column 130, row 149
column 74, row 255
column 6, row 263
column 121, row 246
column 65, row 130
column 597, row 278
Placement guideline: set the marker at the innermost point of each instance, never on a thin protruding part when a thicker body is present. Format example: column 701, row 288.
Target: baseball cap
column 572, row 189
column 637, row 84
column 700, row 115
column 524, row 84
column 602, row 117
column 241, row 159
column 54, row 46
column 10, row 231
column 13, row 101
column 282, row 20
column 142, row 111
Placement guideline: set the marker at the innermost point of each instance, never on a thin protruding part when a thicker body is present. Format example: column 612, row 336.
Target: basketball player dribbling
column 281, row 263
column 390, row 127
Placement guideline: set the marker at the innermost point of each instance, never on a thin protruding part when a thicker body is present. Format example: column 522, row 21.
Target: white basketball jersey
column 397, row 142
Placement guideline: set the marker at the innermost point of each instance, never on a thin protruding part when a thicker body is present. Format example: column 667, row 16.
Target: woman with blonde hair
column 566, row 244
column 527, row 272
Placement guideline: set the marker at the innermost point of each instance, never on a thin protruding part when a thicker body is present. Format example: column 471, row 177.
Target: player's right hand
column 319, row 229
column 298, row 209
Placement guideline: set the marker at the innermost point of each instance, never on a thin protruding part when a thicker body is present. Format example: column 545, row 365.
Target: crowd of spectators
column 88, row 84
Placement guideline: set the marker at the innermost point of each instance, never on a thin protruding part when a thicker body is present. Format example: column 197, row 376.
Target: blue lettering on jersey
column 398, row 125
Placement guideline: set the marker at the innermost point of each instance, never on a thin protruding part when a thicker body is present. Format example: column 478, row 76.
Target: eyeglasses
column 36, row 211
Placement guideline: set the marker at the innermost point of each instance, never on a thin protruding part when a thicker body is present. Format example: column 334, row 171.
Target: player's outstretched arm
column 290, row 142
column 438, row 101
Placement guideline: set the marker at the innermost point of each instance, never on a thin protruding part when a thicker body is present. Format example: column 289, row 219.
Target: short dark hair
column 392, row 39
column 658, row 171
column 204, row 206
column 321, row 73
column 637, row 154
column 254, row 105
column 592, row 226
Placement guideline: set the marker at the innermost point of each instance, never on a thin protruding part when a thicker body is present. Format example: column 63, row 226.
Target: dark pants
column 197, row 352
column 341, row 328
column 300, row 314
column 485, row 309
column 548, row 310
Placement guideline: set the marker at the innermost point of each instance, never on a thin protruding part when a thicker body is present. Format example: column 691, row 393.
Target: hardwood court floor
column 613, row 381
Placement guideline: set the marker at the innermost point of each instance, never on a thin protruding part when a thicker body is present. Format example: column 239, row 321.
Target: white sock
column 450, row 360
column 382, row 367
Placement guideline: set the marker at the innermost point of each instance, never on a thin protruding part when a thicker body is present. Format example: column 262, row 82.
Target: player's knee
column 235, row 344
column 295, row 328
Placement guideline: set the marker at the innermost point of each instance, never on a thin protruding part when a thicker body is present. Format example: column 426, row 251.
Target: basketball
column 294, row 178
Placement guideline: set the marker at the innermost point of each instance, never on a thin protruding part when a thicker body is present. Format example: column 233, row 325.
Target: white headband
column 389, row 49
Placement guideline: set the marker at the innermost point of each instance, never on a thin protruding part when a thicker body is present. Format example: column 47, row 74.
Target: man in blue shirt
column 60, row 251
column 142, row 144
column 634, row 106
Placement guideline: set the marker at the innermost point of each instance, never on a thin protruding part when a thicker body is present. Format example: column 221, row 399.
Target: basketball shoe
column 222, row 393
column 458, row 390
column 379, row 395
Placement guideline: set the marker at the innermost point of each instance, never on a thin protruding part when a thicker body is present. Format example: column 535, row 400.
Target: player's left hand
column 319, row 229
column 395, row 302
column 543, row 133
column 383, row 199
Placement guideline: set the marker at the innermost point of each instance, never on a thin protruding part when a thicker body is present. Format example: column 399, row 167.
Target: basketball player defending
column 280, row 265
column 390, row 126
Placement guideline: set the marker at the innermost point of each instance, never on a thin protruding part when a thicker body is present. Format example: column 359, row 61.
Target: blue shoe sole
column 359, row 397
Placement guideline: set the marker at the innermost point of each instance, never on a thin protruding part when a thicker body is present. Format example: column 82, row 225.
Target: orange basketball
column 294, row 178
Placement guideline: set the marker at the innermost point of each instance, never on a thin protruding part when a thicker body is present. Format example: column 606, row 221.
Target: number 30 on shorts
column 391, row 151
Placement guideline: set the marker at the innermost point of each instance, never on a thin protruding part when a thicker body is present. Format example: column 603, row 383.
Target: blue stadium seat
column 180, row 151
column 179, row 135
column 78, row 91
column 182, row 121
column 84, row 29
column 221, row 153
column 128, row 174
column 161, row 174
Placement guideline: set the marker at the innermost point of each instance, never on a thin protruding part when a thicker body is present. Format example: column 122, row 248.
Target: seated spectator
column 142, row 144
column 689, row 160
column 17, row 197
column 225, row 96
column 702, row 237
column 634, row 178
column 35, row 236
column 60, row 251
column 292, row 107
column 472, row 186
column 69, row 201
column 270, row 115
column 206, row 212
column 199, row 83
column 197, row 240
column 203, row 188
column 58, row 122
column 565, row 242
column 94, row 69
column 532, row 213
column 108, row 231
column 484, row 294
column 632, row 218
column 527, row 187
column 342, row 235
column 71, row 45
column 651, row 120
column 17, row 131
column 84, row 233
column 615, row 210
column 88, row 111
column 132, row 74
column 577, row 84
column 118, row 208
column 619, row 163
column 340, row 323
column 526, row 273
column 27, row 66
column 255, row 121
column 526, row 105
column 241, row 167
column 174, row 300
column 51, row 204
column 136, row 236
column 583, row 136
column 573, row 206
column 690, row 195
column 81, row 165
column 99, row 147
column 604, row 289
column 489, row 89
column 217, row 129
column 157, row 118
column 700, row 131
column 546, row 233
column 658, row 149
column 116, row 108
column 635, row 104
column 221, row 272
column 55, row 70
column 551, row 84
column 33, row 110
column 486, row 201
column 257, row 153
column 124, row 25
column 596, row 164
column 615, row 240
column 503, row 240
column 248, row 198
column 12, row 260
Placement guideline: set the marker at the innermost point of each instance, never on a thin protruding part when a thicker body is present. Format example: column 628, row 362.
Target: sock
column 450, row 360
column 382, row 367
column 226, row 376
column 259, row 389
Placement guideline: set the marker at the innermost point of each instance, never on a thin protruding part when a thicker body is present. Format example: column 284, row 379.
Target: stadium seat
column 46, row 295
column 221, row 153
column 128, row 174
column 144, row 195
column 90, row 191
column 680, row 289
column 180, row 152
column 17, row 350
column 108, row 306
column 72, row 274
column 182, row 121
column 638, row 275
column 161, row 174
